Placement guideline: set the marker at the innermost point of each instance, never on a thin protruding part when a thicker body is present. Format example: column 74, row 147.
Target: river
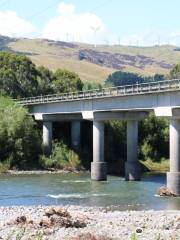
column 78, row 189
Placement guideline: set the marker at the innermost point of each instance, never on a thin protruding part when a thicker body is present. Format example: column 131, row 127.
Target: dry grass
column 53, row 57
column 87, row 71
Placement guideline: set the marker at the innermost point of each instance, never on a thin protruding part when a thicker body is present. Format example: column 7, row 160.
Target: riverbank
column 42, row 172
column 152, row 166
column 88, row 222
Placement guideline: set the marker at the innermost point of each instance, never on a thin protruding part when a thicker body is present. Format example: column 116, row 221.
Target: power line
column 42, row 11
column 101, row 5
column 4, row 3
column 37, row 13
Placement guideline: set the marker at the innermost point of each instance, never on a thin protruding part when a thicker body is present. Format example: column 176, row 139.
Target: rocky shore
column 87, row 223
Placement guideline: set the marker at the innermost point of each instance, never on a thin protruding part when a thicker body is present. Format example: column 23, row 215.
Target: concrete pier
column 76, row 135
column 132, row 166
column 98, row 166
column 173, row 177
column 47, row 137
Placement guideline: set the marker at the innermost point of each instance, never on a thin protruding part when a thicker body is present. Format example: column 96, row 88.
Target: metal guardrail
column 135, row 89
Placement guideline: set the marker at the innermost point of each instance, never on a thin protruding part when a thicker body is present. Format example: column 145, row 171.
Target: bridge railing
column 160, row 86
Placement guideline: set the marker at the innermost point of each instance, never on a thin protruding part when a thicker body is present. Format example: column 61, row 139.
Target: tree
column 90, row 86
column 20, row 143
column 159, row 77
column 175, row 72
column 45, row 79
column 66, row 81
column 18, row 75
column 120, row 78
column 154, row 138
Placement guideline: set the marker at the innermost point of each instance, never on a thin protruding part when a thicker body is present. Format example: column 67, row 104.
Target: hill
column 94, row 63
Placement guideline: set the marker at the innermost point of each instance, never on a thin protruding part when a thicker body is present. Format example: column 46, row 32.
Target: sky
column 126, row 22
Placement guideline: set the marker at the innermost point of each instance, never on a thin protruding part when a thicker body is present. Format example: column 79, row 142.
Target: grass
column 162, row 166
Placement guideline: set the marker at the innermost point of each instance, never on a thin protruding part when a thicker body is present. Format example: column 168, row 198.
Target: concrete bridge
column 130, row 103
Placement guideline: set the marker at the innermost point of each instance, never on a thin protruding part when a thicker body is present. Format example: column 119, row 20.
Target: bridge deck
column 135, row 89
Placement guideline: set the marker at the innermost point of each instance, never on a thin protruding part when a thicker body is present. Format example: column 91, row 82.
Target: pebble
column 111, row 224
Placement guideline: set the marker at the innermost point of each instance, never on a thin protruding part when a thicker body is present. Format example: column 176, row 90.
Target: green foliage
column 18, row 75
column 45, row 79
column 175, row 72
column 4, row 166
column 120, row 78
column 160, row 166
column 90, row 86
column 19, row 138
column 115, row 145
column 123, row 78
column 61, row 158
column 66, row 81
column 154, row 138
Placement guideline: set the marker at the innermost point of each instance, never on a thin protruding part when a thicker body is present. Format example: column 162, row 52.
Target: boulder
column 165, row 192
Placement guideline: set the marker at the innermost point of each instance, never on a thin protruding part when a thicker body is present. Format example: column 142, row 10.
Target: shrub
column 19, row 138
column 154, row 138
column 61, row 158
column 4, row 166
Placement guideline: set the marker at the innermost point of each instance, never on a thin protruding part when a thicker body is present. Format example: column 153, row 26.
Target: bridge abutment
column 98, row 166
column 132, row 166
column 173, row 177
column 76, row 135
column 47, row 137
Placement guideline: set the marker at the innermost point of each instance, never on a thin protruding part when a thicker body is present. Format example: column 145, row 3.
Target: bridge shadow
column 154, row 177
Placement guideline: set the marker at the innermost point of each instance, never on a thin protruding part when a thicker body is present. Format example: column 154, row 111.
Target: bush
column 154, row 138
column 61, row 158
column 4, row 166
column 19, row 138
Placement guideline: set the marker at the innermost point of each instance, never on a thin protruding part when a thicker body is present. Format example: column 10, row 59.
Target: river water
column 78, row 189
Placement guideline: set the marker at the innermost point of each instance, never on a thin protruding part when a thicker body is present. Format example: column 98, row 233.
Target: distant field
column 97, row 63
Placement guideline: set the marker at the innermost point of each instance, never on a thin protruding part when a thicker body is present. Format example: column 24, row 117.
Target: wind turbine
column 95, row 30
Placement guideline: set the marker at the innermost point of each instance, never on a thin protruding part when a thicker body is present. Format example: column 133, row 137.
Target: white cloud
column 72, row 26
column 69, row 25
column 66, row 9
column 13, row 26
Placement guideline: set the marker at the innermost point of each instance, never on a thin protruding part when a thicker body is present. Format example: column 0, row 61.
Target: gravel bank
column 100, row 222
column 41, row 172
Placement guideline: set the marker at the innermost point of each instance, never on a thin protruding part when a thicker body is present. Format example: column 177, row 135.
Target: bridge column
column 76, row 135
column 173, row 177
column 132, row 166
column 98, row 166
column 47, row 137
